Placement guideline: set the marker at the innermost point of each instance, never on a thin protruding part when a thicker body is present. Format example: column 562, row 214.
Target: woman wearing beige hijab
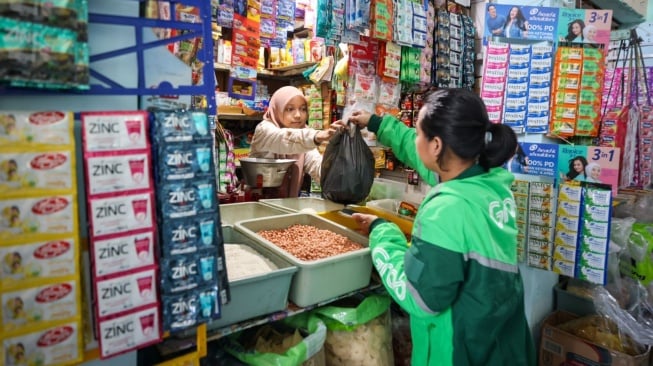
column 283, row 134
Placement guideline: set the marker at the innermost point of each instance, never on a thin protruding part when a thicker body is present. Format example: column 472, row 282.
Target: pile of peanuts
column 309, row 243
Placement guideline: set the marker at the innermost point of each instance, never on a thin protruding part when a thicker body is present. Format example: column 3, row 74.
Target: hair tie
column 488, row 137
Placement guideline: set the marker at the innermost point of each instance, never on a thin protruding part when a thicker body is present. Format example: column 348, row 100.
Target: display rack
column 105, row 85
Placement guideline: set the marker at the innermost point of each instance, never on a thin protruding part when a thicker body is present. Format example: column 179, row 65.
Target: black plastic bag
column 347, row 168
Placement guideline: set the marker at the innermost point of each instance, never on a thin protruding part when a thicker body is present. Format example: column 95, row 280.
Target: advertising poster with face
column 535, row 159
column 521, row 22
column 585, row 26
column 592, row 164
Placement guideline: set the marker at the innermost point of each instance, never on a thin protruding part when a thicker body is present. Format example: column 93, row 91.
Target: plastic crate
column 303, row 204
column 321, row 279
column 572, row 303
column 247, row 293
column 231, row 213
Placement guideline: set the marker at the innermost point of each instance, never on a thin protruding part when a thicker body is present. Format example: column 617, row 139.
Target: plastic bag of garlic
column 360, row 334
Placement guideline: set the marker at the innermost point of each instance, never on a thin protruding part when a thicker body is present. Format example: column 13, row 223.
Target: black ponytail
column 500, row 146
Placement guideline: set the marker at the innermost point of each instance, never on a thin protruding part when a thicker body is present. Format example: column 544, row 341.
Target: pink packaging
column 117, row 172
column 105, row 131
column 120, row 253
column 121, row 213
column 125, row 292
column 128, row 332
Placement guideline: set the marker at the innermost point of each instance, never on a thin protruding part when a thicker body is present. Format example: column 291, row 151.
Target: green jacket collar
column 472, row 171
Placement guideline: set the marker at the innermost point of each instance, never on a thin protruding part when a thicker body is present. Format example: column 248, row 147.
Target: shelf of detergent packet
column 186, row 340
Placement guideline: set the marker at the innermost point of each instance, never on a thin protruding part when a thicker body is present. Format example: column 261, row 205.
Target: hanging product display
column 39, row 242
column 120, row 191
column 193, row 276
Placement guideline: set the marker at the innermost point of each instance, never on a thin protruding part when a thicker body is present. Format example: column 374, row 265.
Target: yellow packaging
column 568, row 208
column 31, row 308
column 570, row 192
column 46, row 127
column 564, row 237
column 23, row 171
column 569, row 224
column 53, row 346
column 25, row 263
column 31, row 218
column 564, row 268
column 565, row 253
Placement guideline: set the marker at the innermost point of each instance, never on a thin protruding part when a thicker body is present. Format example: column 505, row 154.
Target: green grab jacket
column 459, row 280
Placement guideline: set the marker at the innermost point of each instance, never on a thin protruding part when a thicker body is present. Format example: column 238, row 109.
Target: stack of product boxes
column 494, row 79
column 39, row 243
column 539, row 88
column 519, row 61
column 520, row 192
column 120, row 191
column 541, row 202
column 583, row 232
column 193, row 274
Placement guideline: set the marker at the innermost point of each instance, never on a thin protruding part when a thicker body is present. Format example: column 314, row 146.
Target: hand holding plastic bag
column 347, row 168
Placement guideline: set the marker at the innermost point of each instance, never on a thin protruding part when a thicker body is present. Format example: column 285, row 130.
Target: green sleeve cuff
column 374, row 123
column 376, row 223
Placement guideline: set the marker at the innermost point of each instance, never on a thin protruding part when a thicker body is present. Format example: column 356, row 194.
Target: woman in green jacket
column 459, row 279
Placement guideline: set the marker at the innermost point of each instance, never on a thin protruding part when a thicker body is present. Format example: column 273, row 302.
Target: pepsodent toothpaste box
column 45, row 259
column 113, row 172
column 130, row 331
column 52, row 346
column 115, row 131
column 120, row 253
column 37, row 215
column 125, row 292
column 32, row 306
column 121, row 213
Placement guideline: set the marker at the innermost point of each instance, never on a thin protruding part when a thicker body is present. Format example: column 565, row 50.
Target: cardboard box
column 559, row 348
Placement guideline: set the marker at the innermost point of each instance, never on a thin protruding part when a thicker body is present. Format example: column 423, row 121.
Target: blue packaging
column 184, row 161
column 186, row 272
column 184, row 199
column 180, row 126
column 190, row 308
column 189, row 235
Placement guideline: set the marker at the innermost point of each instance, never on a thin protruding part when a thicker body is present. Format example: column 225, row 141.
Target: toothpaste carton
column 37, row 170
column 592, row 275
column 569, row 208
column 565, row 253
column 593, row 260
column 541, row 189
column 111, row 172
column 564, row 268
column 44, row 259
column 34, row 306
column 540, row 261
column 115, row 131
column 121, row 213
column 37, row 215
column 597, row 213
column 540, row 247
column 125, row 292
column 42, row 128
column 58, row 345
column 127, row 332
column 121, row 253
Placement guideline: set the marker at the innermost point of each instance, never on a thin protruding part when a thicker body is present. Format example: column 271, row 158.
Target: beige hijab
column 293, row 180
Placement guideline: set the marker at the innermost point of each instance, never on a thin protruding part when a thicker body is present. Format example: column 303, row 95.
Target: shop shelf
column 304, row 204
column 321, row 279
column 231, row 213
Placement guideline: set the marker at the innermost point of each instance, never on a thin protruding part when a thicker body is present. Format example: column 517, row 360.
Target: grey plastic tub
column 303, row 204
column 322, row 279
column 231, row 213
column 257, row 295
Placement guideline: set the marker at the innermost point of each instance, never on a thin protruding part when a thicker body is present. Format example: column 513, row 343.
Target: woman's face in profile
column 578, row 166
